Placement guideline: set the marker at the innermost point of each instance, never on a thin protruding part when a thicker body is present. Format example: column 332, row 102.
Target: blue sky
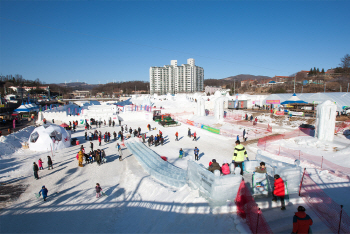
column 100, row 41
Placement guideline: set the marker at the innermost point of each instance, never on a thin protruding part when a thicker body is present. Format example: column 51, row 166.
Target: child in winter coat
column 40, row 163
column 98, row 190
column 49, row 162
column 44, row 191
column 225, row 169
column 279, row 190
column 194, row 136
column 301, row 221
column 181, row 153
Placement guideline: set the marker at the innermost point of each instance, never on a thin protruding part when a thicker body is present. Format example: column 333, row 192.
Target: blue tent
column 22, row 108
column 293, row 99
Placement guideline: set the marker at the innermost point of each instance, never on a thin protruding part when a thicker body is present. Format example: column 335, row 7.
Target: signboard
column 279, row 112
column 296, row 113
column 273, row 101
column 210, row 129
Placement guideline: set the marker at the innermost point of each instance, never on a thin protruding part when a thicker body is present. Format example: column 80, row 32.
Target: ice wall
column 290, row 173
column 216, row 189
column 219, row 109
column 201, row 107
column 155, row 165
column 325, row 120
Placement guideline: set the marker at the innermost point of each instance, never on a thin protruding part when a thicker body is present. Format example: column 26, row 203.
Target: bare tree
column 345, row 62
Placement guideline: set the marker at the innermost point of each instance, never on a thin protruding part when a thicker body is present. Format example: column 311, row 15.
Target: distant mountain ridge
column 241, row 77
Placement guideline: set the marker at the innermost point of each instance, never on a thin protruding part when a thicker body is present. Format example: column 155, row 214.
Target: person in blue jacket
column 181, row 153
column 44, row 191
column 196, row 151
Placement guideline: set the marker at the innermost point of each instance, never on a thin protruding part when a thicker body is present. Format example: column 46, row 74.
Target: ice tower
column 219, row 109
column 325, row 120
column 200, row 107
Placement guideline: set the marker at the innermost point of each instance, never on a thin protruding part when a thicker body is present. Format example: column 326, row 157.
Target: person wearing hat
column 35, row 169
column 301, row 221
column 279, row 190
column 225, row 168
column 44, row 191
column 239, row 155
column 214, row 166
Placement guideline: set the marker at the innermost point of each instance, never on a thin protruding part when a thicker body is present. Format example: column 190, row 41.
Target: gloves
column 247, row 159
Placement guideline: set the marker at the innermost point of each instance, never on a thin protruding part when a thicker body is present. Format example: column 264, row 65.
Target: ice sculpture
column 219, row 109
column 325, row 120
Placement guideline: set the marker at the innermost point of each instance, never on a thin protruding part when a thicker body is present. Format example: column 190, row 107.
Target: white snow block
column 250, row 166
column 219, row 109
column 325, row 120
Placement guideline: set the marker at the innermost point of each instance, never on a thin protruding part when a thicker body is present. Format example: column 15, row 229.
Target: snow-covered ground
column 137, row 202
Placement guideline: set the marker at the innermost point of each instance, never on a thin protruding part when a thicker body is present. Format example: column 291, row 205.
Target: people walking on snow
column 279, row 190
column 40, row 163
column 85, row 135
column 177, row 136
column 244, row 134
column 144, row 138
column 189, row 132
column 301, row 221
column 119, row 148
column 196, row 151
column 80, row 155
column 194, row 136
column 161, row 140
column 44, row 192
column 99, row 140
column 181, row 153
column 49, row 163
column 98, row 190
column 238, row 156
column 139, row 130
column 35, row 169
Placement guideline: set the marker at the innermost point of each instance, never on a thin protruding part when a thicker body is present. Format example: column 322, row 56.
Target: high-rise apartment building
column 176, row 79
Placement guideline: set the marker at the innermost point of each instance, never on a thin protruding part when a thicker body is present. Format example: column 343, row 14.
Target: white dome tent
column 49, row 135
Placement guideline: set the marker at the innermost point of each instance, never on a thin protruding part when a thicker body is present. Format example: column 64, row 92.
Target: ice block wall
column 216, row 189
column 325, row 120
column 290, row 173
column 200, row 107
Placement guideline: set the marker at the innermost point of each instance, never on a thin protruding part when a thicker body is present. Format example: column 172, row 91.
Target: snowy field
column 137, row 202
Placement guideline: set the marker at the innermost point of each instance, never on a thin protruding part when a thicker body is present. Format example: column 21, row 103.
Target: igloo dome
column 47, row 136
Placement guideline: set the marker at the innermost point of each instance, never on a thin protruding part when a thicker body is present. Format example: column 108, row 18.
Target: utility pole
column 348, row 88
column 302, row 88
column 324, row 87
column 294, row 84
column 234, row 87
column 340, row 88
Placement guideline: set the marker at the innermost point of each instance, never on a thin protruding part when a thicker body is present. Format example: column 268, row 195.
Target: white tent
column 47, row 137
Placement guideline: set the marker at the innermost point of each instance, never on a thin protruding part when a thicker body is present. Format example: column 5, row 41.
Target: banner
column 236, row 102
column 210, row 129
column 279, row 112
column 296, row 113
column 14, row 123
column 273, row 101
column 190, row 122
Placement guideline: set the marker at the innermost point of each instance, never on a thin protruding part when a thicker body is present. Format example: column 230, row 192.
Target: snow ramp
column 155, row 166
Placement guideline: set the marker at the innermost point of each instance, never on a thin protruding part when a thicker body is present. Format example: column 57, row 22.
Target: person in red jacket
column 177, row 136
column 301, row 221
column 279, row 190
column 99, row 140
column 194, row 136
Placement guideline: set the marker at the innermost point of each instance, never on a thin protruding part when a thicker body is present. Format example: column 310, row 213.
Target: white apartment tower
column 176, row 79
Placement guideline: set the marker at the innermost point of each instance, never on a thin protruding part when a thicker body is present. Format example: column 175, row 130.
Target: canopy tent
column 22, row 108
column 293, row 99
column 64, row 125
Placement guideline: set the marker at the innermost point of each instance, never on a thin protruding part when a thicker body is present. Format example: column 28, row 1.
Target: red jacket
column 194, row 134
column 225, row 169
column 176, row 134
column 279, row 188
column 301, row 222
column 99, row 138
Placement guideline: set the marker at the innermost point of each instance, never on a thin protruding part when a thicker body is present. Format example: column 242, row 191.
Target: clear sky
column 100, row 41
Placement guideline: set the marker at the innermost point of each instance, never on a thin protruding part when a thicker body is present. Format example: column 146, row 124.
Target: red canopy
column 64, row 125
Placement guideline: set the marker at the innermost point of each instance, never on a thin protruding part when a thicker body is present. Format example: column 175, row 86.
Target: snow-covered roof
column 340, row 98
